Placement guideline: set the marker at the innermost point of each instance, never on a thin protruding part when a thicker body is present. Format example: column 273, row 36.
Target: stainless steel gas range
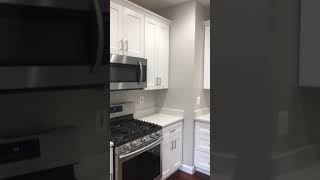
column 137, row 145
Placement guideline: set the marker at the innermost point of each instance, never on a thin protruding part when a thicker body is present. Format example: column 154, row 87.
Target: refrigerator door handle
column 100, row 47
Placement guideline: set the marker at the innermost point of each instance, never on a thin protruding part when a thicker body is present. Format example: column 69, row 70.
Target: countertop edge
column 173, row 122
column 163, row 125
column 202, row 120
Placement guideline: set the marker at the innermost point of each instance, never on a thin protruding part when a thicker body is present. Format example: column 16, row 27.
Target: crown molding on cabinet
column 146, row 12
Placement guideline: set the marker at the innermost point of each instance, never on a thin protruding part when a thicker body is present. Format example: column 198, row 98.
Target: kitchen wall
column 286, row 114
column 134, row 96
column 298, row 131
column 202, row 14
column 186, row 67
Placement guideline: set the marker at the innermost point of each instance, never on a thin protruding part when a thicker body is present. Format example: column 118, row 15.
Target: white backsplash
column 117, row 97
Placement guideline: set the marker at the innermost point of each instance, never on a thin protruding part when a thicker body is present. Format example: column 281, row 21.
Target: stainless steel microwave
column 127, row 72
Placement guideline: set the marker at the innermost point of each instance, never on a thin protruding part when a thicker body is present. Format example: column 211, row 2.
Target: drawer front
column 172, row 129
column 202, row 128
column 202, row 142
column 202, row 160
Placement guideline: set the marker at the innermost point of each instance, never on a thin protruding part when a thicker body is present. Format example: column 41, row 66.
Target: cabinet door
column 177, row 152
column 150, row 52
column 163, row 55
column 167, row 146
column 133, row 33
column 206, row 64
column 202, row 160
column 309, row 65
column 116, row 12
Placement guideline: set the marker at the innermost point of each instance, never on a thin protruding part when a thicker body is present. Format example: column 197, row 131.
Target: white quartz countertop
column 162, row 119
column 204, row 118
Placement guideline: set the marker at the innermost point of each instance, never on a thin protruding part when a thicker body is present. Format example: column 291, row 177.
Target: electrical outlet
column 198, row 100
column 141, row 99
column 101, row 124
column 283, row 122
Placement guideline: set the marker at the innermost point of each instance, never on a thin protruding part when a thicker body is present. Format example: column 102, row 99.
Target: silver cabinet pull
column 127, row 45
column 171, row 145
column 121, row 45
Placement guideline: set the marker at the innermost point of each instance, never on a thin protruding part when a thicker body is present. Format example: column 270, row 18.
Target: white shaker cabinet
column 171, row 149
column 163, row 55
column 202, row 147
column 116, row 39
column 133, row 33
column 126, row 31
column 206, row 63
column 150, row 52
column 157, row 53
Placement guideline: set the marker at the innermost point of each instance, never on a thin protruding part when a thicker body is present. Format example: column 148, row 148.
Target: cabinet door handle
column 171, row 145
column 127, row 45
column 121, row 45
column 157, row 81
column 173, row 130
column 160, row 81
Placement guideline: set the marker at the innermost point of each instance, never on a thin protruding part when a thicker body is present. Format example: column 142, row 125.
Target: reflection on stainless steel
column 120, row 59
column 135, row 66
column 127, row 85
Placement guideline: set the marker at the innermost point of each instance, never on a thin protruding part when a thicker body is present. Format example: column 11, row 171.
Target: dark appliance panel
column 145, row 166
column 53, row 43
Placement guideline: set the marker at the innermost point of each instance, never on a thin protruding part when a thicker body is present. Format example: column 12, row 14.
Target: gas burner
column 126, row 130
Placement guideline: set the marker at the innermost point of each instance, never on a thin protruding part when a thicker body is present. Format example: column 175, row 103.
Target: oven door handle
column 141, row 150
column 141, row 72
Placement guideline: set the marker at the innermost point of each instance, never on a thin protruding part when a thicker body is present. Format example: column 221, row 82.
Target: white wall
column 202, row 14
column 186, row 71
column 134, row 96
column 186, row 68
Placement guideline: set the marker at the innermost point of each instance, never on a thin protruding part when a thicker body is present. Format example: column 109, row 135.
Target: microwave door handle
column 141, row 72
column 100, row 43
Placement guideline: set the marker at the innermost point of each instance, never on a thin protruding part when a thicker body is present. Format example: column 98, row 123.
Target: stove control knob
column 153, row 135
column 126, row 146
column 158, row 134
column 134, row 143
column 143, row 139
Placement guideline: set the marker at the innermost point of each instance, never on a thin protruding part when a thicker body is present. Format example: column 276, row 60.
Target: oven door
column 127, row 72
column 143, row 164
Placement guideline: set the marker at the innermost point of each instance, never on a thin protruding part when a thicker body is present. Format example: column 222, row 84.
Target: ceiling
column 158, row 4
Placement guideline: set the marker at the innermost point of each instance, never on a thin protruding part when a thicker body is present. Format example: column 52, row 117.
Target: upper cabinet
column 135, row 31
column 126, row 31
column 309, row 44
column 157, row 53
column 206, row 63
column 116, row 38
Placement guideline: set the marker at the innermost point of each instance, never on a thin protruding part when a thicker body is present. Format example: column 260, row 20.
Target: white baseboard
column 203, row 171
column 188, row 169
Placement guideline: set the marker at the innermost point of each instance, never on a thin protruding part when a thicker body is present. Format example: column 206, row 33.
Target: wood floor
column 179, row 175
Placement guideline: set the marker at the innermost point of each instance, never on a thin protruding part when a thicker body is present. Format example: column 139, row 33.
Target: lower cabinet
column 171, row 149
column 202, row 147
